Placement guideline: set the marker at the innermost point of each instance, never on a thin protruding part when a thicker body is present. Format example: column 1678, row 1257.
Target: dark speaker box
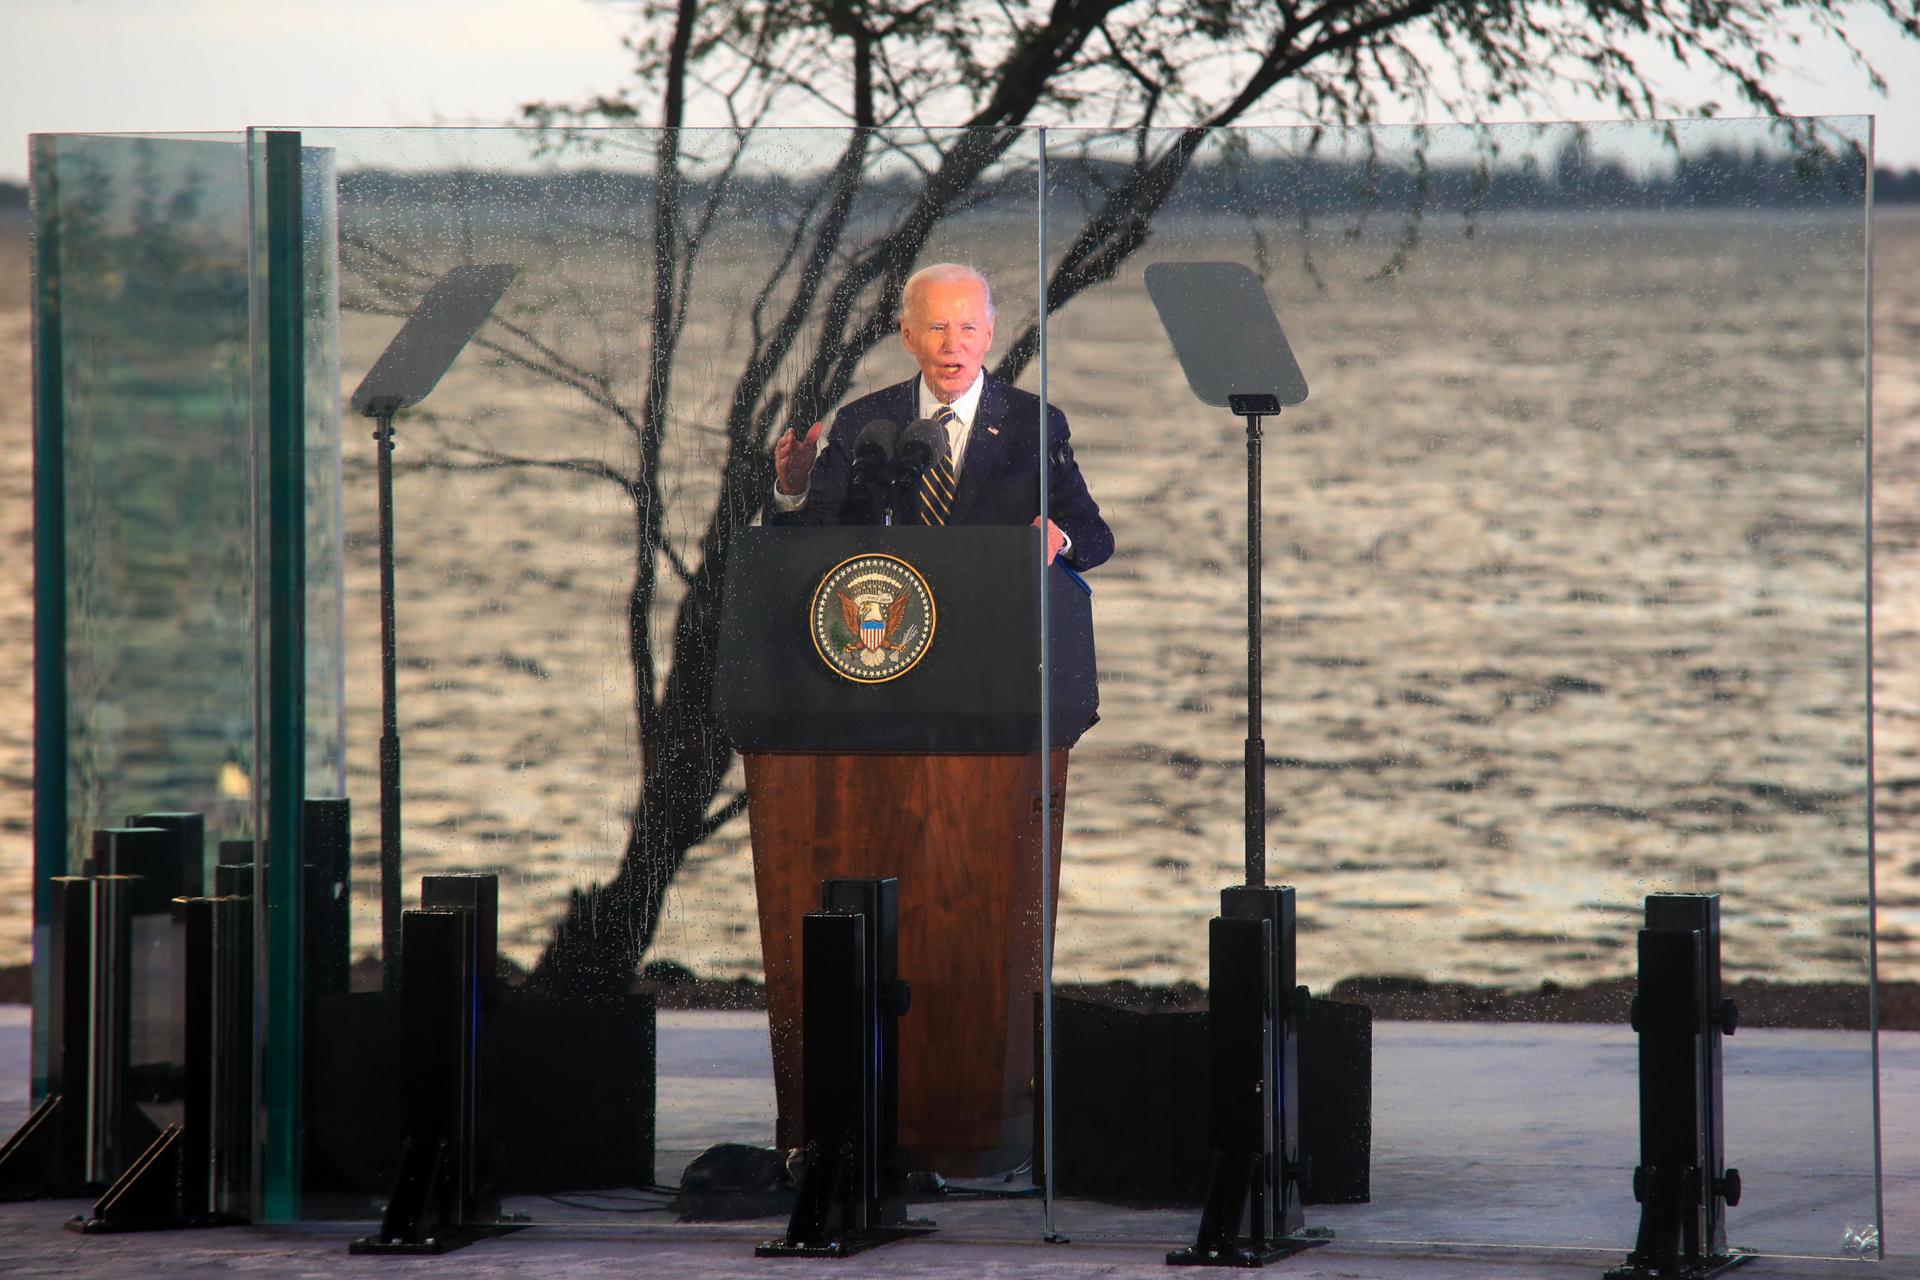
column 573, row 1096
column 1131, row 1092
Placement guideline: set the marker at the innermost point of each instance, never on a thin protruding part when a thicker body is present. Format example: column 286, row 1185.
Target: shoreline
column 1762, row 1002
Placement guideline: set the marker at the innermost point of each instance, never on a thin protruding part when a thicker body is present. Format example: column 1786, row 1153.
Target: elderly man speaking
column 988, row 476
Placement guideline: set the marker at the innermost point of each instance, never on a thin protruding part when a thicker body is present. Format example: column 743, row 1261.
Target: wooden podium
column 932, row 777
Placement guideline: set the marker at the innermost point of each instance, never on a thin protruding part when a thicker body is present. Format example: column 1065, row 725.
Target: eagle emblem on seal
column 872, row 617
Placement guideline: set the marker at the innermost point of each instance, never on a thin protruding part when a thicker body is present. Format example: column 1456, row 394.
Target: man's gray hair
column 943, row 272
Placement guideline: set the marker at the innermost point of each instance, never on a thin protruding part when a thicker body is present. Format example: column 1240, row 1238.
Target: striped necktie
column 936, row 482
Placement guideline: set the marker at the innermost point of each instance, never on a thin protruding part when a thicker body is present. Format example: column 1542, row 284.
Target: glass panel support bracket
column 852, row 1192
column 446, row 1195
column 1253, row 1210
column 1682, row 1182
column 82, row 1135
column 197, row 1173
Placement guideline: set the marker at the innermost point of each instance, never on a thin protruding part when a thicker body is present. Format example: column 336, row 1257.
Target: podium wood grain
column 962, row 835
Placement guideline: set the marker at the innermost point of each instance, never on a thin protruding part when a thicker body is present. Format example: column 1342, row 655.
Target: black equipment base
column 1150, row 1064
column 597, row 1052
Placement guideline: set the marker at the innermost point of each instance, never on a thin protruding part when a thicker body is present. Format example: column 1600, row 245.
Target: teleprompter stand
column 852, row 1191
column 409, row 369
column 1682, row 1182
column 1235, row 356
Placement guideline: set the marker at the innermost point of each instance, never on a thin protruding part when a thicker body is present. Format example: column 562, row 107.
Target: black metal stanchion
column 1254, row 1014
column 852, row 1192
column 444, row 1198
column 196, row 1173
column 390, row 942
column 83, row 1132
column 1682, row 1183
column 478, row 894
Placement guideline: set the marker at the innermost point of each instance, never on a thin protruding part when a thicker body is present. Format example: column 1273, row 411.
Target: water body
column 1565, row 603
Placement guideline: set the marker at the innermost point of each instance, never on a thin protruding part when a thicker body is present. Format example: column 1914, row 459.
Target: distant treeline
column 1896, row 188
column 1712, row 180
column 1311, row 185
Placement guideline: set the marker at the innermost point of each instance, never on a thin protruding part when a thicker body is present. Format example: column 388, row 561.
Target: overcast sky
column 207, row 65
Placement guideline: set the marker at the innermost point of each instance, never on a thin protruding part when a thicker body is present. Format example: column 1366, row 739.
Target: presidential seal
column 872, row 618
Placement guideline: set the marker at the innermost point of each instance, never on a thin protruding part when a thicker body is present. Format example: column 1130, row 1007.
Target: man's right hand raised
column 793, row 456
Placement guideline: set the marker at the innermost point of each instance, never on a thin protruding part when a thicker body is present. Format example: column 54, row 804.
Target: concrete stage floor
column 1519, row 1138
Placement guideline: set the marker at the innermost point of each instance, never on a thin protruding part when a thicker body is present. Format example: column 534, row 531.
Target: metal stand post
column 852, row 1193
column 390, row 943
column 1253, row 1020
column 1682, row 1182
column 444, row 1195
column 196, row 1173
column 1253, row 408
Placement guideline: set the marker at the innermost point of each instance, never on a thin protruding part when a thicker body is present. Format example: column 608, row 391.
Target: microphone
column 872, row 462
column 922, row 442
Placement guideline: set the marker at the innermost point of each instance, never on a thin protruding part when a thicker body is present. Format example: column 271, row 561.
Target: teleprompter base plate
column 1245, row 1253
column 843, row 1246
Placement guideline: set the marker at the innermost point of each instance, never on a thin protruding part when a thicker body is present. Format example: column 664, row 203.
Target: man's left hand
column 1055, row 539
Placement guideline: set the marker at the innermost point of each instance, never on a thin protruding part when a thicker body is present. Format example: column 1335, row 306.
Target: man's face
column 949, row 330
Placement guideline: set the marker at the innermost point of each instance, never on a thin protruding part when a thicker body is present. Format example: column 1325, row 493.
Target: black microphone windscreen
column 879, row 434
column 923, row 437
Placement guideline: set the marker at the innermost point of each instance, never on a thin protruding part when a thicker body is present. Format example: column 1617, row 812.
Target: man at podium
column 930, row 778
column 987, row 474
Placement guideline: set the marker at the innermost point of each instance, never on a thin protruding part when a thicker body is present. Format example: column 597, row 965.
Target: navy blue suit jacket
column 999, row 476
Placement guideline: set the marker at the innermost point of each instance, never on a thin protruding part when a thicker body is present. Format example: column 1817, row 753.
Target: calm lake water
column 1565, row 603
